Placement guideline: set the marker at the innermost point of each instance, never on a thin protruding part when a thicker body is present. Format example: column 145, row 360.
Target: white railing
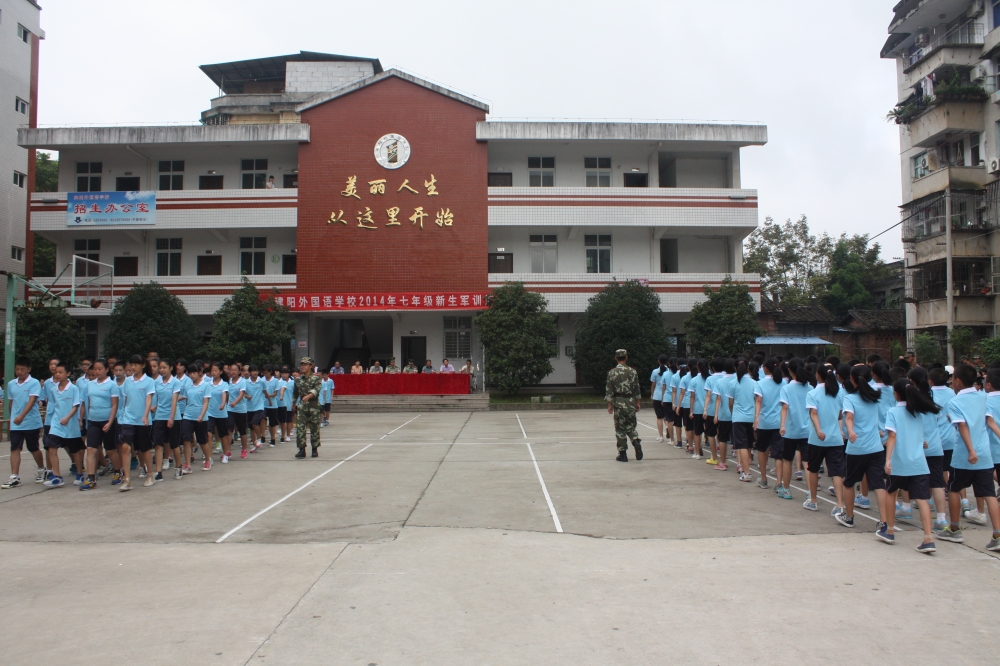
column 967, row 34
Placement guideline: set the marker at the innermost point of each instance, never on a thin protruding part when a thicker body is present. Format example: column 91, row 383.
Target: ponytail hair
column 663, row 362
column 844, row 377
column 916, row 401
column 825, row 374
column 693, row 367
column 755, row 371
column 703, row 367
column 918, row 376
column 672, row 363
column 774, row 367
column 741, row 370
column 880, row 371
column 862, row 376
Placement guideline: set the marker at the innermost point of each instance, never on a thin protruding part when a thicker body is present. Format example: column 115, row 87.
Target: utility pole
column 949, row 275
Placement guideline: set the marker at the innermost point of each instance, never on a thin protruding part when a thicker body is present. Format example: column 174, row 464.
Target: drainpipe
column 949, row 275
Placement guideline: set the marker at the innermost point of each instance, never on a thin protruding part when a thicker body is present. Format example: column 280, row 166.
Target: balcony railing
column 967, row 34
column 925, row 218
column 969, row 278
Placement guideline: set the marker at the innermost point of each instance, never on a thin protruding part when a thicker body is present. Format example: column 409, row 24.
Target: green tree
column 47, row 332
column 725, row 323
column 961, row 341
column 150, row 318
column 989, row 350
column 44, row 261
column 846, row 290
column 626, row 316
column 249, row 328
column 927, row 348
column 46, row 173
column 896, row 349
column 516, row 332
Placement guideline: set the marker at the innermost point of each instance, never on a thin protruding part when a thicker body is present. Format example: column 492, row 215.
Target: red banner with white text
column 391, row 301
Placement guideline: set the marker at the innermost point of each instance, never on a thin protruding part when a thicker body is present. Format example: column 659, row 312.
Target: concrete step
column 476, row 402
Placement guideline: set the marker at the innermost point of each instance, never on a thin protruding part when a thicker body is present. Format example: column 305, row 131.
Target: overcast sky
column 810, row 71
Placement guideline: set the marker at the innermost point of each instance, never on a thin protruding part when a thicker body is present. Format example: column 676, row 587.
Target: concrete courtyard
column 474, row 538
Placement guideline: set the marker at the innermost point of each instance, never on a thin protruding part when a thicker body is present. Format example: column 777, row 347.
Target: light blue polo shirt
column 165, row 391
column 47, row 387
column 216, row 398
column 931, row 436
column 743, row 392
column 710, row 385
column 270, row 386
column 121, row 400
column 865, row 425
column 908, row 457
column 255, row 394
column 61, row 404
column 135, row 392
column 20, row 393
column 885, row 403
column 722, row 388
column 828, row 408
column 326, row 391
column 194, row 399
column 289, row 385
column 655, row 379
column 697, row 390
column 794, row 395
column 942, row 396
column 235, row 386
column 969, row 407
column 993, row 410
column 682, row 387
column 770, row 407
column 672, row 387
column 99, row 395
column 82, row 383
column 664, row 385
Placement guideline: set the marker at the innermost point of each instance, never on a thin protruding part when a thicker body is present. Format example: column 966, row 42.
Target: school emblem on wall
column 392, row 151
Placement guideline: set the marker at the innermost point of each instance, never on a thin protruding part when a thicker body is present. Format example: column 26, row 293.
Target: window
column 20, row 106
column 251, row 261
column 168, row 256
column 668, row 255
column 210, row 264
column 636, row 180
column 921, row 165
column 127, row 184
column 544, row 253
column 996, row 13
column 553, row 344
column 457, row 338
column 288, row 264
column 209, row 182
column 974, row 149
column 126, row 266
column 598, row 253
column 598, row 171
column 254, row 174
column 91, row 182
column 22, row 33
column 89, row 326
column 542, row 171
column 497, row 179
column 290, row 180
column 16, row 253
column 88, row 248
column 19, row 178
column 171, row 174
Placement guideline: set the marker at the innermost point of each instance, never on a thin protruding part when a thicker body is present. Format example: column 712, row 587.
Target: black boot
column 622, row 456
column 315, row 452
column 638, row 448
column 301, row 453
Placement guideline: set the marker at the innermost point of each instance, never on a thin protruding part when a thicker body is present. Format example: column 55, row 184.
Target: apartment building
column 382, row 207
column 947, row 55
column 20, row 33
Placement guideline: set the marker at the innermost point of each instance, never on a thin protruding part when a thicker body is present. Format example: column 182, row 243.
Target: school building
column 383, row 208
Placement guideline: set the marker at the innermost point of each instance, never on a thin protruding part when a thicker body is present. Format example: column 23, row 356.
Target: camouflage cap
column 306, row 361
column 621, row 354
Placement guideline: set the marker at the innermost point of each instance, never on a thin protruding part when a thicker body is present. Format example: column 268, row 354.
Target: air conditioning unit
column 923, row 39
column 976, row 9
column 924, row 161
column 978, row 73
column 994, row 165
column 932, row 161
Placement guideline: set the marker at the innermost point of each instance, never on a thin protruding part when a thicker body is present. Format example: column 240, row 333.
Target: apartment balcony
column 185, row 209
column 961, row 46
column 924, row 218
column 971, row 278
column 678, row 292
column 946, row 119
column 726, row 210
column 958, row 177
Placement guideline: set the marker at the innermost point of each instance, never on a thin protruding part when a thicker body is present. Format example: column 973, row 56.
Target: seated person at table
column 392, row 368
column 446, row 367
column 467, row 368
column 376, row 369
column 411, row 368
column 356, row 369
column 428, row 368
column 336, row 369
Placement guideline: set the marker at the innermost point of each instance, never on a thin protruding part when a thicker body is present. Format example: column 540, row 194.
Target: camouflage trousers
column 625, row 427
column 307, row 419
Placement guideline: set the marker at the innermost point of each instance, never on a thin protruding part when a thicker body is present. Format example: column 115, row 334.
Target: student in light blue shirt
column 971, row 461
column 905, row 462
column 942, row 394
column 64, row 429
column 864, row 451
column 657, row 394
column 255, row 391
column 743, row 397
column 826, row 444
column 711, row 424
column 767, row 437
column 670, row 393
column 794, row 428
column 271, row 401
column 238, row 406
column 697, row 390
column 25, row 422
column 138, row 392
column 166, row 424
column 326, row 397
column 933, row 451
column 285, row 413
column 682, row 404
column 723, row 415
column 218, row 404
column 102, row 401
column 194, row 420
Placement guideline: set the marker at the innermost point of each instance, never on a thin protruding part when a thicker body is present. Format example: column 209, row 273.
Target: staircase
column 475, row 402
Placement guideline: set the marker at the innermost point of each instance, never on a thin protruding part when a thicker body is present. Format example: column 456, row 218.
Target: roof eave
column 325, row 97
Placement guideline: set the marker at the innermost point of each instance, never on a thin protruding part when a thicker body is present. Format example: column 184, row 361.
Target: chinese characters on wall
column 371, row 219
column 388, row 301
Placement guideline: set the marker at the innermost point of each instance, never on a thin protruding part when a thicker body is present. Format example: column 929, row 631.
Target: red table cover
column 400, row 384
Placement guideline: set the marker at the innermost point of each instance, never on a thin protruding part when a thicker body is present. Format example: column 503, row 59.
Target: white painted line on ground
column 303, row 487
column 394, row 430
column 294, row 492
column 522, row 426
column 545, row 491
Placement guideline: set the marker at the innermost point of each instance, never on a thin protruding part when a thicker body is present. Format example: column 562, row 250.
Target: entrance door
column 413, row 348
column 501, row 262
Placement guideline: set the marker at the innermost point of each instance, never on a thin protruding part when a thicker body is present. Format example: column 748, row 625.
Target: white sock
column 905, row 506
column 940, row 517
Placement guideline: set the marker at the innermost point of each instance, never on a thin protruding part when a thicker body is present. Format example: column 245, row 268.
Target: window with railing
column 969, row 33
column 925, row 218
column 970, row 277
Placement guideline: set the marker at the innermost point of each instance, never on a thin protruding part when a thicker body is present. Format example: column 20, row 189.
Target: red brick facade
column 441, row 132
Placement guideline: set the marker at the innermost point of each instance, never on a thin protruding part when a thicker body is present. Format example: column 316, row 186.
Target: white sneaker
column 973, row 516
column 166, row 464
column 659, row 439
column 696, row 456
column 40, row 474
column 225, row 459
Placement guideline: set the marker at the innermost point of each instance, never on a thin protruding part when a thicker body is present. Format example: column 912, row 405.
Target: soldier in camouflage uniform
column 306, row 396
column 410, row 368
column 622, row 395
